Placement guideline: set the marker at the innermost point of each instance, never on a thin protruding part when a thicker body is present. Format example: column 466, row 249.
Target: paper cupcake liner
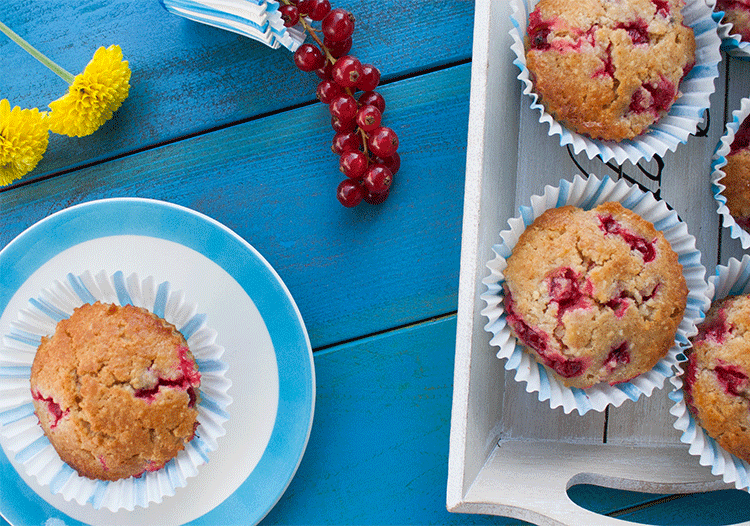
column 673, row 128
column 20, row 431
column 719, row 161
column 729, row 280
column 587, row 194
column 256, row 19
column 731, row 42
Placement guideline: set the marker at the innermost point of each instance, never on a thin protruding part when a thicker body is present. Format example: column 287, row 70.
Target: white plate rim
column 103, row 217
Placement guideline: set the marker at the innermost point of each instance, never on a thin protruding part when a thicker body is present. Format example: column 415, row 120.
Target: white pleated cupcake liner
column 730, row 280
column 672, row 129
column 256, row 19
column 587, row 193
column 731, row 42
column 719, row 161
column 24, row 438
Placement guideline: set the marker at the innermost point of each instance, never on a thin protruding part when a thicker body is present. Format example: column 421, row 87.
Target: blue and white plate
column 267, row 351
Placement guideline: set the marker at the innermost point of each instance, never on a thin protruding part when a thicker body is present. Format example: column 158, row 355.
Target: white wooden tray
column 510, row 454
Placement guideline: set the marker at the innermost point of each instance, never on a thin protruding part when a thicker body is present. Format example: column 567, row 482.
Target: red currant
column 374, row 98
column 367, row 150
column 304, row 7
column 393, row 163
column 370, row 78
column 353, row 164
column 325, row 71
column 338, row 49
column 318, row 9
column 377, row 179
column 368, row 118
column 343, row 107
column 308, row 57
column 350, row 193
column 345, row 141
column 327, row 90
column 383, row 142
column 338, row 25
column 346, row 71
column 376, row 199
column 289, row 14
column 340, row 126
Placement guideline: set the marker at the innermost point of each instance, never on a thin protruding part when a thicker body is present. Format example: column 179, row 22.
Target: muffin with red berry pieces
column 736, row 178
column 717, row 376
column 608, row 69
column 115, row 390
column 597, row 295
column 736, row 13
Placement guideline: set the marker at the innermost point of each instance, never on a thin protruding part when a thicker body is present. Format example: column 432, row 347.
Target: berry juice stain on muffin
column 115, row 389
column 737, row 176
column 597, row 295
column 608, row 69
column 716, row 381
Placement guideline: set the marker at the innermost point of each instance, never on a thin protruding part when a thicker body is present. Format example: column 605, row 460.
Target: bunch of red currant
column 366, row 149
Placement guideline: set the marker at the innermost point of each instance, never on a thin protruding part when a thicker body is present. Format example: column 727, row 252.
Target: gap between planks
column 333, row 346
column 212, row 129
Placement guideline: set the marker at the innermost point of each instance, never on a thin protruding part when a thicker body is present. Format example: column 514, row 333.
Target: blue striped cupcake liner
column 672, row 129
column 20, row 429
column 729, row 280
column 719, row 161
column 587, row 193
column 731, row 42
column 256, row 19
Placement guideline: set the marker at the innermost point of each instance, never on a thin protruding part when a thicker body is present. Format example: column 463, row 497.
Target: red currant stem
column 312, row 32
column 315, row 37
column 364, row 141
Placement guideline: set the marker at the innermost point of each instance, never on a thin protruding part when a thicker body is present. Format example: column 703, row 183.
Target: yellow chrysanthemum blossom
column 94, row 95
column 23, row 140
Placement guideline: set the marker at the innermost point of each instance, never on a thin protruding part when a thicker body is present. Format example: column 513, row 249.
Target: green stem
column 67, row 77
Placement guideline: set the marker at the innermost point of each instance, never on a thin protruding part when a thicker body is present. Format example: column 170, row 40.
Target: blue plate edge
column 30, row 241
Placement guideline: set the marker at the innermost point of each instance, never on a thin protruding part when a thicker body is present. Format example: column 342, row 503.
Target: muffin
column 737, row 176
column 596, row 294
column 716, row 381
column 737, row 13
column 608, row 69
column 115, row 390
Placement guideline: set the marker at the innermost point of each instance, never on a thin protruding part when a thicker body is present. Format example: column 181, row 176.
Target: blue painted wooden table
column 226, row 126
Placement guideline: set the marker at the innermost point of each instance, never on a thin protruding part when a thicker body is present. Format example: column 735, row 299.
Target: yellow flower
column 23, row 140
column 93, row 96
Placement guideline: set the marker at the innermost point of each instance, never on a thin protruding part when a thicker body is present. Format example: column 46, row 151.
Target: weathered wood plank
column 352, row 271
column 188, row 77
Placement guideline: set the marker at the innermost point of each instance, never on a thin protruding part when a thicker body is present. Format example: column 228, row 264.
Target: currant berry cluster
column 367, row 150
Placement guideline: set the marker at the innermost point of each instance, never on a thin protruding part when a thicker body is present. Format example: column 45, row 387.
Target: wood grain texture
column 352, row 271
column 379, row 444
column 188, row 77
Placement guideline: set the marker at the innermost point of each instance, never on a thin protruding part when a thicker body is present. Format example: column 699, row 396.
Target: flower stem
column 60, row 72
